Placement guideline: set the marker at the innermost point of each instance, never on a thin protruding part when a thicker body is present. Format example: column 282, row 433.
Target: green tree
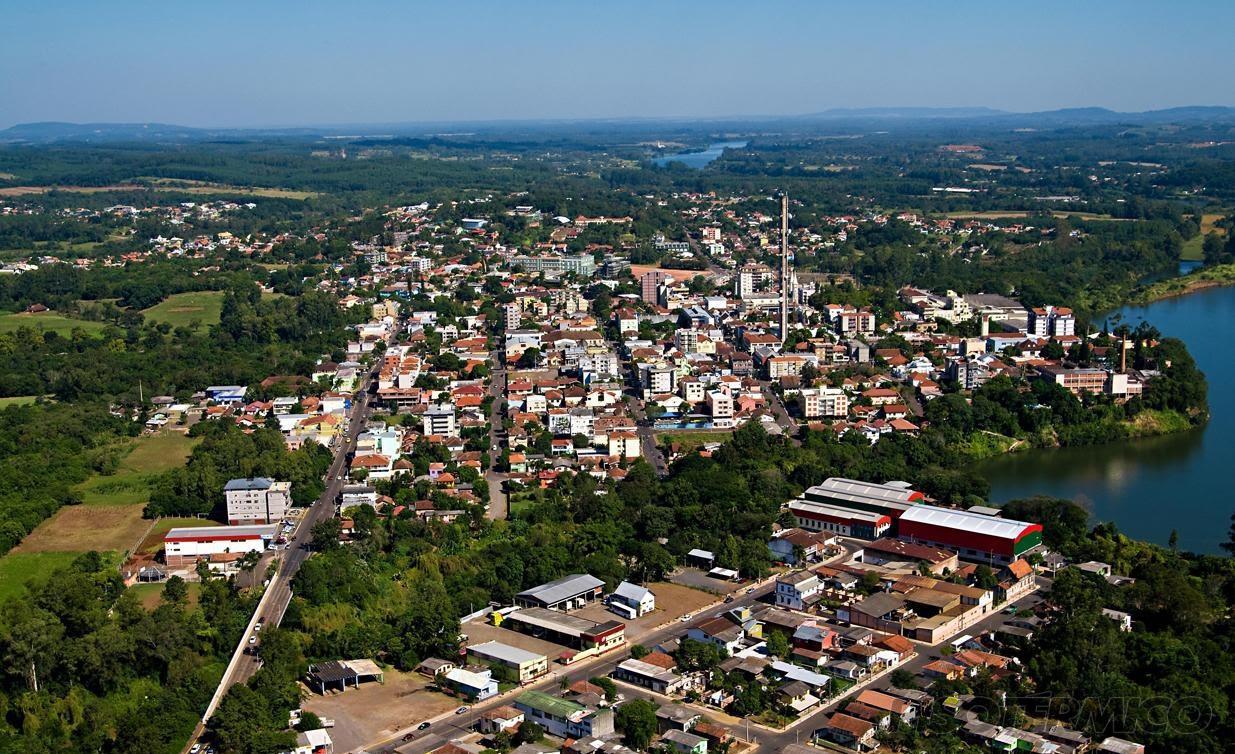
column 636, row 721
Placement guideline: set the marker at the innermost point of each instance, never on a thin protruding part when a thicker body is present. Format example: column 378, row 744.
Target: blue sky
column 268, row 62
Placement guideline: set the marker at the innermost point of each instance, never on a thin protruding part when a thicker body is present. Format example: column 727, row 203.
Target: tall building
column 649, row 283
column 257, row 501
column 512, row 316
column 1054, row 321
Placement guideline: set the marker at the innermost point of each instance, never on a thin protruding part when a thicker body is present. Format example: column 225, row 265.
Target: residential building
column 562, row 717
column 257, row 500
column 649, row 676
column 684, row 742
column 797, row 590
column 649, row 286
column 471, row 685
column 638, row 598
column 439, row 419
column 824, row 402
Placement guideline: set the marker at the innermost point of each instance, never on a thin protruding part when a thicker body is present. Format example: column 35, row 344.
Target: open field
column 1194, row 248
column 689, row 440
column 19, row 568
column 81, row 528
column 182, row 309
column 165, row 185
column 152, row 594
column 1013, row 215
column 377, row 710
column 17, row 400
column 48, row 320
column 151, row 454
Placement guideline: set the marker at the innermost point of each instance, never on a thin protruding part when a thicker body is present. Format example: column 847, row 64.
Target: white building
column 184, row 546
column 638, row 599
column 257, row 501
column 439, row 419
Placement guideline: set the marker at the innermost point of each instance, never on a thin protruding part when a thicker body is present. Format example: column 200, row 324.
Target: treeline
column 89, row 669
column 225, row 453
column 1168, row 683
column 45, row 449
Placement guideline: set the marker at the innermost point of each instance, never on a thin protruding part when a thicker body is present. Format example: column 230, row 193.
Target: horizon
column 281, row 65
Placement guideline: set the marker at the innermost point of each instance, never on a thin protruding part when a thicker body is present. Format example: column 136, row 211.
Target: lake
column 1149, row 487
column 699, row 159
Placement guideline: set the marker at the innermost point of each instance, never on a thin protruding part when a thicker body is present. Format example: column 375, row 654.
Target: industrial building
column 847, row 522
column 185, row 545
column 974, row 536
column 567, row 593
column 586, row 638
column 890, row 499
column 528, row 665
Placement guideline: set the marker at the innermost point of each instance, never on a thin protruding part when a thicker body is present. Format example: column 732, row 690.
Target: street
column 498, row 501
column 279, row 593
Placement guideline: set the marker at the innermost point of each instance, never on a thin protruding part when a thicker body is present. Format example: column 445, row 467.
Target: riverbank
column 1200, row 279
column 984, row 446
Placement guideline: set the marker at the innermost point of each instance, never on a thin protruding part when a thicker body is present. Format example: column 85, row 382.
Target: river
column 699, row 159
column 1149, row 487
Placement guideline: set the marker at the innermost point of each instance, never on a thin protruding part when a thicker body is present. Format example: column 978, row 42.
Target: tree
column 638, row 651
column 325, row 534
column 1229, row 544
column 308, row 721
column 607, row 685
column 778, row 645
column 636, row 721
column 530, row 732
column 985, row 577
column 175, row 591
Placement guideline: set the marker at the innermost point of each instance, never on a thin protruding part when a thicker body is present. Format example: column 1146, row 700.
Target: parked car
column 462, row 709
column 423, row 725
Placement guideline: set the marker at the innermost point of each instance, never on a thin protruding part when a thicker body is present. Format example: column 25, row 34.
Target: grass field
column 152, row 594
column 691, row 440
column 50, row 321
column 182, row 309
column 19, row 568
column 81, row 528
column 17, row 400
column 151, row 454
column 1194, row 248
column 166, row 185
column 1012, row 215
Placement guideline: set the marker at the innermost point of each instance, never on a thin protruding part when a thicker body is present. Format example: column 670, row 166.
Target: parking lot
column 377, row 710
column 699, row 579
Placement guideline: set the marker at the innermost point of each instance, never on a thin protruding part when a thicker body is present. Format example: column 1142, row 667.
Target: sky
column 273, row 63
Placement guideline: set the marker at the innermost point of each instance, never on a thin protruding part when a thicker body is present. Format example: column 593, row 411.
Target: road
column 499, row 505
column 448, row 726
column 780, row 413
column 279, row 593
column 647, row 438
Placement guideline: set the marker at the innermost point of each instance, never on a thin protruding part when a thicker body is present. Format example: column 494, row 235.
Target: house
column 676, row 717
column 314, row 742
column 473, row 686
column 850, row 731
column 797, row 590
column 719, row 631
column 685, row 743
column 500, row 719
column 637, row 599
column 649, row 676
column 1115, row 745
column 788, row 545
column 879, row 700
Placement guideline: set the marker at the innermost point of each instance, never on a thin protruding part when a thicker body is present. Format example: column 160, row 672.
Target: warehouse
column 185, row 545
column 986, row 539
column 568, row 593
column 847, row 522
column 890, row 499
column 586, row 638
column 528, row 665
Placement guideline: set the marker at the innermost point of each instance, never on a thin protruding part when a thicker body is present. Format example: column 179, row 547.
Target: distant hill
column 54, row 132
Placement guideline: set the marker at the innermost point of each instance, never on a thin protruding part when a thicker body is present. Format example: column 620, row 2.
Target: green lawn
column 150, row 455
column 182, row 309
column 17, row 400
column 1193, row 249
column 19, row 568
column 51, row 321
column 690, row 440
column 152, row 594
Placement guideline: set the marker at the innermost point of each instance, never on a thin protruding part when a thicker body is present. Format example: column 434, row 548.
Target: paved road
column 279, row 593
column 450, row 725
column 780, row 413
column 499, row 506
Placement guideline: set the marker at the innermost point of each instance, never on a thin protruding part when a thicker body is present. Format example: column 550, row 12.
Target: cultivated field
column 50, row 321
column 182, row 309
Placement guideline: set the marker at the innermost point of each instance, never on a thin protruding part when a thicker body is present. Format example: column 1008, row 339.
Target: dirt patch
column 699, row 579
column 376, row 710
column 672, row 602
column 81, row 528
